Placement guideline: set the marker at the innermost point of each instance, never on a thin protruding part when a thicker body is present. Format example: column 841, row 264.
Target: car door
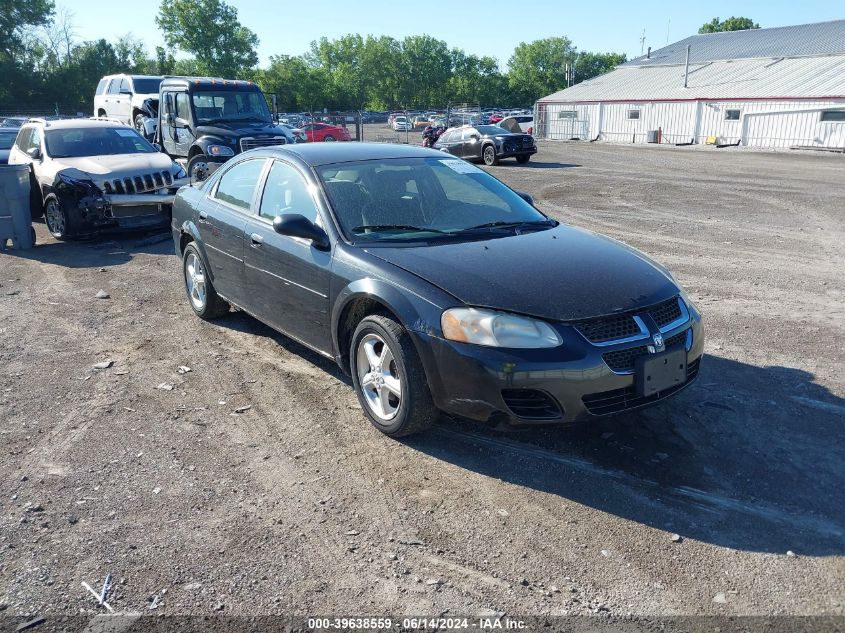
column 110, row 103
column 470, row 143
column 288, row 278
column 451, row 142
column 221, row 218
column 122, row 104
column 184, row 132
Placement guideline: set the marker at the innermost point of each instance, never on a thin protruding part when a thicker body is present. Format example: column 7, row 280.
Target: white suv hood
column 118, row 165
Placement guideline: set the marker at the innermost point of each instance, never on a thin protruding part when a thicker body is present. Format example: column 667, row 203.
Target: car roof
column 63, row 124
column 216, row 83
column 315, row 154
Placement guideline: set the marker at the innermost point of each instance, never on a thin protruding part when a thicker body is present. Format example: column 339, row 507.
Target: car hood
column 118, row 164
column 559, row 274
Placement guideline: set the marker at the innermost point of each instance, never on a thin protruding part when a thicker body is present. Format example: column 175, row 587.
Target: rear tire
column 202, row 297
column 328, row 138
column 389, row 378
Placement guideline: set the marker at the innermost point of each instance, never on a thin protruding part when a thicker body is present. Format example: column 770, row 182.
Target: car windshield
column 95, row 141
column 7, row 138
column 433, row 198
column 227, row 105
column 146, row 85
column 12, row 122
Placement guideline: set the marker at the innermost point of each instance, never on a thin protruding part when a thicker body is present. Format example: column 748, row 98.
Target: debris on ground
column 102, row 294
column 184, row 369
column 165, row 386
column 675, row 538
column 104, row 592
column 104, row 364
column 720, row 598
column 243, row 409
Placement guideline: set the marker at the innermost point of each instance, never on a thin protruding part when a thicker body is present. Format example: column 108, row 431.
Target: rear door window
column 114, row 87
column 124, row 85
column 101, row 87
column 237, row 185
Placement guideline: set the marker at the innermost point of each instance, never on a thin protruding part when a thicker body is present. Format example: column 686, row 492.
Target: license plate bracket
column 657, row 372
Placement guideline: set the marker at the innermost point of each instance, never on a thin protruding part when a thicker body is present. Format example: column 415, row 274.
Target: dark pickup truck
column 203, row 122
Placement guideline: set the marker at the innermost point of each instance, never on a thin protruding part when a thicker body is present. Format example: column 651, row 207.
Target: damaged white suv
column 90, row 175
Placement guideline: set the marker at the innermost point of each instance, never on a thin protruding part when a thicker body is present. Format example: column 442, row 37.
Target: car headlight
column 85, row 183
column 219, row 150
column 496, row 329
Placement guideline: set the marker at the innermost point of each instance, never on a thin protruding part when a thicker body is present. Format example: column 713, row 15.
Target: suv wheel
column 204, row 300
column 488, row 155
column 57, row 219
column 139, row 124
column 389, row 378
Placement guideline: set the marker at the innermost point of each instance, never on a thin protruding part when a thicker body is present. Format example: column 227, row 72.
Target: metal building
column 777, row 87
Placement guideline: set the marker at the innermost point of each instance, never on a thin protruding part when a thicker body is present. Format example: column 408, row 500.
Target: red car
column 496, row 117
column 325, row 132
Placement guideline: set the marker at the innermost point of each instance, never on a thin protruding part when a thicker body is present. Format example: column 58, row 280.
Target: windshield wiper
column 502, row 224
column 395, row 227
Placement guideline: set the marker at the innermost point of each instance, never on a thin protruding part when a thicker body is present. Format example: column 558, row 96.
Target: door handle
column 257, row 240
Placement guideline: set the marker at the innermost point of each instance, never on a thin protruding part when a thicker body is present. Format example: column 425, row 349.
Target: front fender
column 417, row 314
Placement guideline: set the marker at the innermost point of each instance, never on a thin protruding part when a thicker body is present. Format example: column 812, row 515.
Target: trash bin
column 15, row 218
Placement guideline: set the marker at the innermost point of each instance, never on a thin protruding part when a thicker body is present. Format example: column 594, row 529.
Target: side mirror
column 34, row 153
column 296, row 225
column 474, row 137
column 525, row 196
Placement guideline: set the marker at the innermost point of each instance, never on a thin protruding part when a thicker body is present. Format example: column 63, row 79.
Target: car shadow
column 533, row 164
column 243, row 322
column 100, row 251
column 748, row 457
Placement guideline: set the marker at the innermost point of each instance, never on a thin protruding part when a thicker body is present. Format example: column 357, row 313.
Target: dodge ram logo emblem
column 659, row 345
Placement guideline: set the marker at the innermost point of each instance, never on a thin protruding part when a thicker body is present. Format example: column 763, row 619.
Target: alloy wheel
column 489, row 155
column 378, row 376
column 195, row 281
column 55, row 217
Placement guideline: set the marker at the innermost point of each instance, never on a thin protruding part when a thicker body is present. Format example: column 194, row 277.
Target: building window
column 732, row 115
column 833, row 115
column 567, row 114
column 633, row 114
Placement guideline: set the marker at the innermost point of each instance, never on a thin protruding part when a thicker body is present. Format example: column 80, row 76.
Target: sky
column 481, row 27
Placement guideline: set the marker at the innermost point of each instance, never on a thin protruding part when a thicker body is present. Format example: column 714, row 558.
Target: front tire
column 202, row 297
column 198, row 167
column 328, row 138
column 488, row 155
column 389, row 378
column 58, row 220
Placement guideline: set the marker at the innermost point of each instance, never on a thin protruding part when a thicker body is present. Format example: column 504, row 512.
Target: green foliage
column 731, row 24
column 42, row 64
column 209, row 29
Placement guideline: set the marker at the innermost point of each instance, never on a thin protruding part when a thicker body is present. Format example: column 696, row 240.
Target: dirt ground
column 196, row 504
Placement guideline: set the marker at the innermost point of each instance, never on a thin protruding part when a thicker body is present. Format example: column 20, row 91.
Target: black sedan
column 487, row 143
column 435, row 286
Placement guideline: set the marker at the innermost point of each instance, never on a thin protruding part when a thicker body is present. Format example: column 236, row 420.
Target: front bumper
column 511, row 152
column 567, row 384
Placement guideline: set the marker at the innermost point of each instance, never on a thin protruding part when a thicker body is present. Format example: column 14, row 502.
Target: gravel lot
column 198, row 505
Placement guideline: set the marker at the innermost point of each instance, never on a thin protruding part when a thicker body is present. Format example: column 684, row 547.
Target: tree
column 731, row 24
column 210, row 30
column 16, row 16
column 537, row 68
column 589, row 65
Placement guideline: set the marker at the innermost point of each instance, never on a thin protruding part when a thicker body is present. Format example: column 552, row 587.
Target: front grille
column 623, row 360
column 249, row 142
column 621, row 326
column 618, row 400
column 609, row 328
column 666, row 312
column 531, row 404
column 142, row 183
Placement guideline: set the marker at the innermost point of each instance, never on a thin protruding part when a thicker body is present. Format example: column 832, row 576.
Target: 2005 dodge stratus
column 435, row 286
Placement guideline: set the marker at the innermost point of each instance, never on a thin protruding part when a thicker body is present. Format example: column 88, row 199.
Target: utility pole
column 642, row 43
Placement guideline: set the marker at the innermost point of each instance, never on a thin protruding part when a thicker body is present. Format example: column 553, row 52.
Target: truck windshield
column 230, row 106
